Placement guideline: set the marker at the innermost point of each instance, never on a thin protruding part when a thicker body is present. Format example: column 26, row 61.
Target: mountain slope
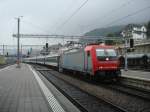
column 105, row 31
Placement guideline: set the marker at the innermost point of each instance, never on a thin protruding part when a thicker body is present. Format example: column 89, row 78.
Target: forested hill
column 115, row 30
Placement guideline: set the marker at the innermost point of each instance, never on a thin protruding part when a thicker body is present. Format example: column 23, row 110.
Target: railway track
column 120, row 98
column 84, row 101
column 129, row 90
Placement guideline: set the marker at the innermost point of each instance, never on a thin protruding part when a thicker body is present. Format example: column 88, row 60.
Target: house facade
column 137, row 32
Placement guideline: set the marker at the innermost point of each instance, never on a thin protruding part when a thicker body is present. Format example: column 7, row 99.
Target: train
column 136, row 61
column 98, row 61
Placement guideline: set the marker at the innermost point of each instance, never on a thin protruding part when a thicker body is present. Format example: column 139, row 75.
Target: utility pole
column 18, row 43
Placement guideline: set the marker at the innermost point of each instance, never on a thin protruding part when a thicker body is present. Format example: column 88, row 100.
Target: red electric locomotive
column 95, row 60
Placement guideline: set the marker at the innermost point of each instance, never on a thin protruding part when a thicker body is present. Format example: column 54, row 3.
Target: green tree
column 110, row 42
column 110, row 35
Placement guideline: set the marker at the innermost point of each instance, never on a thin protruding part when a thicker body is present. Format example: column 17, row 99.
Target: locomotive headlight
column 107, row 59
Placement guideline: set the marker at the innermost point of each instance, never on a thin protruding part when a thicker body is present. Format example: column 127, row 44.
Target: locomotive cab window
column 106, row 54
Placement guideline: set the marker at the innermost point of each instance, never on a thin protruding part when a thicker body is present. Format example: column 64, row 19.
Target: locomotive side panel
column 74, row 61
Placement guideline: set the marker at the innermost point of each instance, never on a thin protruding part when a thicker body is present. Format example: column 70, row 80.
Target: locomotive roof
column 89, row 47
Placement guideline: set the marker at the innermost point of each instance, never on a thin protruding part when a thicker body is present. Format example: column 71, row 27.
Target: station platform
column 25, row 90
column 137, row 74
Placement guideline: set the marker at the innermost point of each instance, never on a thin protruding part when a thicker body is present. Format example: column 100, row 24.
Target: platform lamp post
column 18, row 42
column 126, row 35
column 126, row 60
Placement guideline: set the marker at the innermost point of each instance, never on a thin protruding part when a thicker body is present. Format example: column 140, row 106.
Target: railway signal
column 46, row 45
column 131, row 43
column 7, row 54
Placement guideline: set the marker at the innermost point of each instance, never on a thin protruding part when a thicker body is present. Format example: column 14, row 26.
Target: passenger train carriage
column 137, row 61
column 93, row 60
column 44, row 60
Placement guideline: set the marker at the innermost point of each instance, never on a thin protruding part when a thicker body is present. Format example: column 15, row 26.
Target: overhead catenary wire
column 117, row 20
column 73, row 14
column 113, row 11
column 76, row 11
column 62, row 15
column 35, row 26
column 127, row 16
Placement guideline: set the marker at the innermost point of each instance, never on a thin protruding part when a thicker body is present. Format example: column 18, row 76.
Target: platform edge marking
column 135, row 77
column 5, row 68
column 54, row 104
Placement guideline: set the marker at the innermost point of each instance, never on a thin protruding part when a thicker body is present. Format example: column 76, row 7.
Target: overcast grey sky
column 47, row 16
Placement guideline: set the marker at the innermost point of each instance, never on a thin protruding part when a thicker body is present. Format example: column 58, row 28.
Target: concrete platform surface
column 143, row 75
column 19, row 91
column 23, row 90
